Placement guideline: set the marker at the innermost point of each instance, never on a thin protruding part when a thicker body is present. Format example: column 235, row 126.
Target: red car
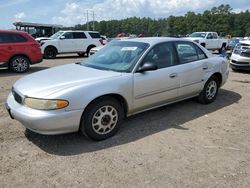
column 18, row 50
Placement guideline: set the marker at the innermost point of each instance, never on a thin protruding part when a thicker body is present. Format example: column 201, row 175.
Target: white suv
column 70, row 42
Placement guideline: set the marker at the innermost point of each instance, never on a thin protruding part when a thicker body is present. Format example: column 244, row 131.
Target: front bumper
column 240, row 63
column 44, row 122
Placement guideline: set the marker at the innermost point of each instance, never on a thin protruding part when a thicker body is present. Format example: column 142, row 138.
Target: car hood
column 47, row 82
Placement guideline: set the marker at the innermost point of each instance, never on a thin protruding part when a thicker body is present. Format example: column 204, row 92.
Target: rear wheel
column 102, row 118
column 19, row 64
column 88, row 50
column 50, row 53
column 210, row 90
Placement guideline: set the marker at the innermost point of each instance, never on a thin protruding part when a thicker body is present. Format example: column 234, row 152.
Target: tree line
column 220, row 19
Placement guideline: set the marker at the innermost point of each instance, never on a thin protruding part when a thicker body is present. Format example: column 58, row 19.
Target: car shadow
column 135, row 127
column 6, row 72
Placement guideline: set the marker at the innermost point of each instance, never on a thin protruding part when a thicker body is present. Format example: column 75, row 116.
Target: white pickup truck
column 210, row 40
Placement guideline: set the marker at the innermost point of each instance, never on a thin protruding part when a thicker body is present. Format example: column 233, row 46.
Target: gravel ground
column 182, row 145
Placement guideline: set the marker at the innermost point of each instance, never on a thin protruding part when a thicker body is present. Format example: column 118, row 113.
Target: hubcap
column 104, row 119
column 211, row 90
column 20, row 64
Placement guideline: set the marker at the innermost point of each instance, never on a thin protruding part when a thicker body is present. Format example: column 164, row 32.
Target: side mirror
column 147, row 66
column 62, row 37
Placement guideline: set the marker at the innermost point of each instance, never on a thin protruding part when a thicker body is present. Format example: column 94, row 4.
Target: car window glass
column 79, row 35
column 186, row 52
column 18, row 38
column 162, row 55
column 201, row 54
column 209, row 36
column 68, row 35
column 94, row 35
column 214, row 36
column 5, row 38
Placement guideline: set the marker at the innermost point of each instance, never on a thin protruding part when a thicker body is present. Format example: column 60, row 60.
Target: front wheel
column 210, row 90
column 50, row 53
column 102, row 118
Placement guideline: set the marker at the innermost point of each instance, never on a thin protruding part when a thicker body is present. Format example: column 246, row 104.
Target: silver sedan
column 124, row 78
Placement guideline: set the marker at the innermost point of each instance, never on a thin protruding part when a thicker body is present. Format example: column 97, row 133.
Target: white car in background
column 63, row 42
column 240, row 58
column 209, row 40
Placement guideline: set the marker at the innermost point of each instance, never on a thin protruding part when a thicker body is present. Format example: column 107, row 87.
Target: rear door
column 193, row 64
column 80, row 41
column 160, row 86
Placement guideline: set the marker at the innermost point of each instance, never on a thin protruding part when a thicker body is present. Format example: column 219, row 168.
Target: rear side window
column 201, row 54
column 11, row 38
column 186, row 52
column 79, row 35
column 95, row 35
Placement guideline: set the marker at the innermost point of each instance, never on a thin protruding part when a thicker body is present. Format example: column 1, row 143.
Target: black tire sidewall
column 203, row 97
column 46, row 52
column 12, row 61
column 86, row 122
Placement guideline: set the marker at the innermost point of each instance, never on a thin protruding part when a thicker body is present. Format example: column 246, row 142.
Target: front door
column 157, row 87
column 68, row 43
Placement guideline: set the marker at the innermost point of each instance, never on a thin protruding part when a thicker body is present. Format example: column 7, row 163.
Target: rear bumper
column 3, row 64
column 37, row 61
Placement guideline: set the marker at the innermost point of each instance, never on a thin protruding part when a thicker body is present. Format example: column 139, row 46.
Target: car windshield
column 198, row 34
column 119, row 56
column 56, row 35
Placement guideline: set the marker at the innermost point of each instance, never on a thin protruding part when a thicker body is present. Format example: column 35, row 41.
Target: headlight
column 45, row 104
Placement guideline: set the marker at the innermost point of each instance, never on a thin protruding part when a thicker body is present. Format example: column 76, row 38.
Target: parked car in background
column 124, row 78
column 233, row 42
column 64, row 42
column 209, row 40
column 240, row 58
column 18, row 50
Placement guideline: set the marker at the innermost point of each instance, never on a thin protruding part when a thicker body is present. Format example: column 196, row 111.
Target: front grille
column 245, row 54
column 17, row 97
column 240, row 63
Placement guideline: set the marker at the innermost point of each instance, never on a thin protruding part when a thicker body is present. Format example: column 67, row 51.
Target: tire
column 210, row 91
column 102, row 118
column 50, row 53
column 88, row 50
column 19, row 64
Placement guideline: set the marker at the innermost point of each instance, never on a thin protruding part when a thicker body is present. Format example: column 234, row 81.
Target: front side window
column 162, row 55
column 68, row 35
column 119, row 56
column 186, row 52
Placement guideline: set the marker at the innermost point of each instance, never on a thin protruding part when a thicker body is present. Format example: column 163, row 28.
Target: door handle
column 173, row 75
column 205, row 68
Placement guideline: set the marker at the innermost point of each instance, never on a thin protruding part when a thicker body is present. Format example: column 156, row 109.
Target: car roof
column 13, row 31
column 155, row 40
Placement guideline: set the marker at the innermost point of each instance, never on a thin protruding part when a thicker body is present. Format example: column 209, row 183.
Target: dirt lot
column 181, row 145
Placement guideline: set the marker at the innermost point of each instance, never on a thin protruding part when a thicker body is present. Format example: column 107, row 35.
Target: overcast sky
column 72, row 12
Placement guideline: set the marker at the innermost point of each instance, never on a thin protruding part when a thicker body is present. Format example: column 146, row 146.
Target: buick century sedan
column 123, row 78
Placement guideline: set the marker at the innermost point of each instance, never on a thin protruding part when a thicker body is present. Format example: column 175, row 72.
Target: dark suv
column 18, row 50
